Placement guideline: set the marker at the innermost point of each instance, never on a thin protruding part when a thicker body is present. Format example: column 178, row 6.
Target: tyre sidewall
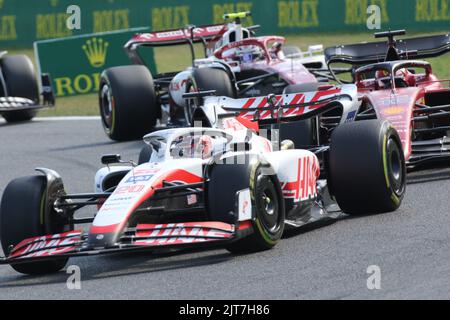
column 205, row 79
column 359, row 169
column 135, row 108
column 20, row 79
column 259, row 182
column 22, row 216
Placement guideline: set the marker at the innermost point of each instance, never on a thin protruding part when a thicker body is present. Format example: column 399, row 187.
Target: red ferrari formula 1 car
column 223, row 186
column 394, row 87
column 236, row 64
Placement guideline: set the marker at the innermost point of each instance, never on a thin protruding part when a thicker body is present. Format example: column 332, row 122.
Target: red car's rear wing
column 173, row 37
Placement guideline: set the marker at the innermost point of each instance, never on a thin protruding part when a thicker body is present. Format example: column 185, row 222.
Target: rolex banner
column 25, row 21
column 76, row 63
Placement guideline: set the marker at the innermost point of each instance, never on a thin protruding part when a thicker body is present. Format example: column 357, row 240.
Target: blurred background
column 76, row 40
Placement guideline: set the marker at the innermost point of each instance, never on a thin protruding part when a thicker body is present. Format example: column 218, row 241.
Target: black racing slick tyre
column 205, row 79
column 20, row 80
column 22, row 217
column 268, row 226
column 367, row 171
column 129, row 107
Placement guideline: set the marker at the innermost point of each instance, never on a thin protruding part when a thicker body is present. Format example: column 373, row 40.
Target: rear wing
column 189, row 36
column 282, row 108
column 178, row 36
column 372, row 52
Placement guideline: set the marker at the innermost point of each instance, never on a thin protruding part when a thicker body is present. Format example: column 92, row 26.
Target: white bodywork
column 213, row 106
column 297, row 170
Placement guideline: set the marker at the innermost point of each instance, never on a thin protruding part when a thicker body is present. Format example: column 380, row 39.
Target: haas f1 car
column 394, row 87
column 236, row 64
column 20, row 99
column 235, row 185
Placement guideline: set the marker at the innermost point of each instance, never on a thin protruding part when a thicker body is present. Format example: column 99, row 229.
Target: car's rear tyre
column 128, row 104
column 205, row 79
column 225, row 181
column 20, row 79
column 22, row 216
column 367, row 171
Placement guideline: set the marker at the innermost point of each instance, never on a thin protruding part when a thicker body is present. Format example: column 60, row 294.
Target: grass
column 178, row 58
column 441, row 65
column 82, row 105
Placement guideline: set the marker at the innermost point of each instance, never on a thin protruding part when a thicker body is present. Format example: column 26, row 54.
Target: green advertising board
column 23, row 21
column 76, row 63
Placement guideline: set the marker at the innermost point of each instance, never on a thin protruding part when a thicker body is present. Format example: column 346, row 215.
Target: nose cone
column 102, row 240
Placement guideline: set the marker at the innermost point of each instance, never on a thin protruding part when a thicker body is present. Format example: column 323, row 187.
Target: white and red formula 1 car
column 224, row 186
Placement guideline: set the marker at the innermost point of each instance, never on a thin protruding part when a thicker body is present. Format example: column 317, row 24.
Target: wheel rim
column 106, row 106
column 269, row 208
column 396, row 166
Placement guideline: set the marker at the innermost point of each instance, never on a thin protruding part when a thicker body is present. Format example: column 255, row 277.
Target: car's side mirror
column 108, row 159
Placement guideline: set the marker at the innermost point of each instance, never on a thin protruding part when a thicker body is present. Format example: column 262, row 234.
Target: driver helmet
column 407, row 76
column 276, row 50
column 380, row 75
column 204, row 148
column 192, row 147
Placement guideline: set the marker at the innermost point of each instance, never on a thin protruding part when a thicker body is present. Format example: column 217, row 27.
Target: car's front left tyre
column 23, row 216
column 266, row 199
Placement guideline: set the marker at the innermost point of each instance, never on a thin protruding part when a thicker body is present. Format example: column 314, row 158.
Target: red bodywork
column 291, row 70
column 179, row 35
column 399, row 104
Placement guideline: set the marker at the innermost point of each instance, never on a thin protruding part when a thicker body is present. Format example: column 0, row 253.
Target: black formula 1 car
column 20, row 98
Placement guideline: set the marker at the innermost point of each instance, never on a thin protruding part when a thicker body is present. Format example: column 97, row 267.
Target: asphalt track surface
column 325, row 261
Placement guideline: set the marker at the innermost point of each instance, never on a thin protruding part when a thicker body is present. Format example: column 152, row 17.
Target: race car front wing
column 9, row 103
column 145, row 237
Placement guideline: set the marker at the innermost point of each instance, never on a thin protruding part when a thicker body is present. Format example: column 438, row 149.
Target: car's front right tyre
column 367, row 170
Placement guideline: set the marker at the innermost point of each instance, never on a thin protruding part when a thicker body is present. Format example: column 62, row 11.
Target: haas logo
column 304, row 187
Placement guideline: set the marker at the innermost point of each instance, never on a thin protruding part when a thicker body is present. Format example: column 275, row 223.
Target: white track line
column 74, row 118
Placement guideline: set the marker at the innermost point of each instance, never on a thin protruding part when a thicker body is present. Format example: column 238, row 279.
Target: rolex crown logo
column 96, row 50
